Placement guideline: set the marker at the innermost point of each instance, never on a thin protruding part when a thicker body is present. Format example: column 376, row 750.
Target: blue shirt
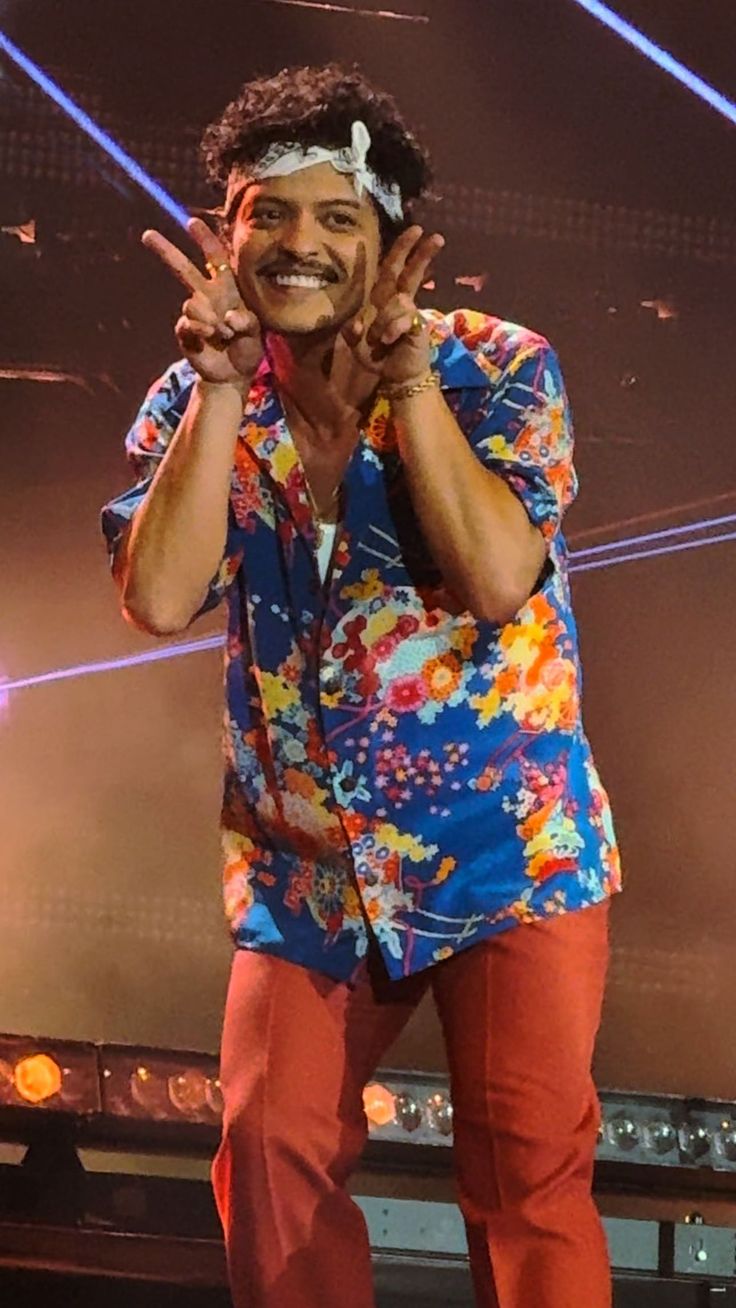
column 392, row 765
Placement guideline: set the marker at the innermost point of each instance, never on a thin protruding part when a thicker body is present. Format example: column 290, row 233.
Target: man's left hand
column 384, row 338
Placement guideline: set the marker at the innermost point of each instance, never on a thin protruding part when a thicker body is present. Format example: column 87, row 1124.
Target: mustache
column 301, row 268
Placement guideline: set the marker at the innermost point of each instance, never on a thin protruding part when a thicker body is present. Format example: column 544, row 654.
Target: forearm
column 480, row 536
column 177, row 538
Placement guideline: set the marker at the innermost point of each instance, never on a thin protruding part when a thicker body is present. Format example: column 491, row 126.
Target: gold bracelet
column 404, row 392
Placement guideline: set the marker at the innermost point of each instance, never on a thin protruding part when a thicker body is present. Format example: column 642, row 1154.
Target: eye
column 266, row 217
column 341, row 220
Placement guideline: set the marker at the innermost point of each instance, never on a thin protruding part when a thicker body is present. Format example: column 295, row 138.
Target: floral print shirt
column 394, row 766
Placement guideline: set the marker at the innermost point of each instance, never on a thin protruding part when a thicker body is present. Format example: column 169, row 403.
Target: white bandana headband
column 285, row 157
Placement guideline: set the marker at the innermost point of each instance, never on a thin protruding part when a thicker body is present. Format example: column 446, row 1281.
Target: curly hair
column 317, row 106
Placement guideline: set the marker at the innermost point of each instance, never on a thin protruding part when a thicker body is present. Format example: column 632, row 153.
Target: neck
column 300, row 361
column 328, row 396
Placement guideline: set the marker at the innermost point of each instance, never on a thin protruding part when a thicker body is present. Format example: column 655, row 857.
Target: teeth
column 300, row 279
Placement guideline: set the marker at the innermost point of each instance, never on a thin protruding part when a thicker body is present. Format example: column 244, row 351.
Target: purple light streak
column 702, row 525
column 651, row 554
column 216, row 642
column 389, row 14
column 166, row 202
column 112, row 665
column 662, row 58
column 125, row 161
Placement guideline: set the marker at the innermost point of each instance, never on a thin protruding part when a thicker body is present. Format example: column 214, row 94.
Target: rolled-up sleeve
column 526, row 435
column 145, row 446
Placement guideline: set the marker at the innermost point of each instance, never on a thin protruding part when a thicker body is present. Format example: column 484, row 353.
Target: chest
column 325, row 463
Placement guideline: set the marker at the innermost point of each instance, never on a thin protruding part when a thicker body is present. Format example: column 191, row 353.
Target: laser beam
column 116, row 152
column 662, row 58
column 703, row 525
column 387, row 14
column 651, row 554
column 112, row 665
column 216, row 642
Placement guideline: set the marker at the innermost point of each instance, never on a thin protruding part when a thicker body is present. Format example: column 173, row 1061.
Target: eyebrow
column 319, row 204
column 237, row 200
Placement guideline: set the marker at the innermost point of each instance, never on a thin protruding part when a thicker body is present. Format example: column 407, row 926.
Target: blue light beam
column 216, row 642
column 87, row 124
column 660, row 57
column 588, row 565
column 112, row 665
column 691, row 527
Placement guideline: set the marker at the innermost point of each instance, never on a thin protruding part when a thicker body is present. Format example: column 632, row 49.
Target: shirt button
column 329, row 679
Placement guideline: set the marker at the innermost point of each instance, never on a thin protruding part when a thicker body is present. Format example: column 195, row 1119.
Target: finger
column 393, row 265
column 174, row 259
column 398, row 327
column 353, row 331
column 417, row 265
column 199, row 308
column 211, row 246
column 192, row 337
column 242, row 322
column 401, row 306
column 206, row 330
column 360, row 274
column 202, row 315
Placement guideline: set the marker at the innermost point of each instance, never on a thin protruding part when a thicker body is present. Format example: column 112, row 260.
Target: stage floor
column 397, row 1286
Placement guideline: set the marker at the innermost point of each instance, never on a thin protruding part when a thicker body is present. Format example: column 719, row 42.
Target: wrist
column 400, row 392
column 213, row 390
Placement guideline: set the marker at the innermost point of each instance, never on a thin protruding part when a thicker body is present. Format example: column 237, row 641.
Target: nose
column 299, row 235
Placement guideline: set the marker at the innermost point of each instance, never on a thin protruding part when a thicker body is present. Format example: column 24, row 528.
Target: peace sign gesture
column 389, row 338
column 216, row 333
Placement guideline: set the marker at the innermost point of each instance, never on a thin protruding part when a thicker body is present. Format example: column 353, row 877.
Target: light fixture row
column 170, row 1086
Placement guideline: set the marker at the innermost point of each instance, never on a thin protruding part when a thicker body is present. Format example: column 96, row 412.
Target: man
column 410, row 801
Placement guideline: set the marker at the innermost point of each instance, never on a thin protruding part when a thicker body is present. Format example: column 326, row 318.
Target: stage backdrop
column 583, row 196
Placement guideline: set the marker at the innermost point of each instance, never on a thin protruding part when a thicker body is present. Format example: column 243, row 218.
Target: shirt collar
column 455, row 363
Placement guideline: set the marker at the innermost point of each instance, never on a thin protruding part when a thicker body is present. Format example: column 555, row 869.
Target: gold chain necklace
column 320, row 520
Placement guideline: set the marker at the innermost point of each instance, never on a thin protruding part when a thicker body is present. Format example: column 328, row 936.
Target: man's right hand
column 219, row 336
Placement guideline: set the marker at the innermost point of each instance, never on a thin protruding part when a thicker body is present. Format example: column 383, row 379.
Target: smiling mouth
column 298, row 281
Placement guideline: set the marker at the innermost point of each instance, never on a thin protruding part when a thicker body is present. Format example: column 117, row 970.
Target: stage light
column 158, row 1086
column 623, row 1132
column 408, row 1107
column 126, row 162
column 659, row 1136
column 119, row 1093
column 149, row 1092
column 439, row 1113
column 188, row 1092
column 37, row 1078
column 694, row 1141
column 408, row 1112
column 725, row 1141
column 48, row 1075
column 660, row 57
column 379, row 1104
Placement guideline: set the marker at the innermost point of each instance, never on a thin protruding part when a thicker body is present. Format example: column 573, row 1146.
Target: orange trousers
column 519, row 1013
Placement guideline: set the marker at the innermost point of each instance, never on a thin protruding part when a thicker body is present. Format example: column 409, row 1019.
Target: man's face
column 305, row 250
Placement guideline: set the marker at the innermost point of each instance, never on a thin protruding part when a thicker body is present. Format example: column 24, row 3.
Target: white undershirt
column 325, row 547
